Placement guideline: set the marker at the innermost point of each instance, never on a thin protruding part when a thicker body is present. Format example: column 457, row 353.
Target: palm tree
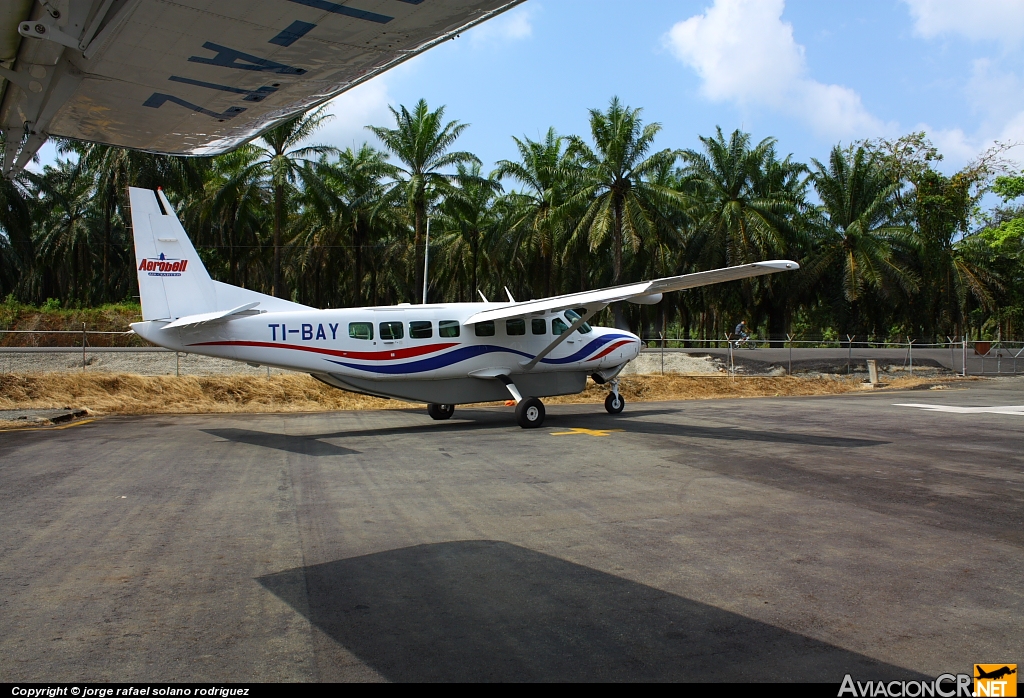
column 466, row 221
column 17, row 251
column 421, row 141
column 116, row 169
column 532, row 213
column 231, row 210
column 616, row 185
column 66, row 235
column 856, row 231
column 359, row 175
column 281, row 158
column 745, row 207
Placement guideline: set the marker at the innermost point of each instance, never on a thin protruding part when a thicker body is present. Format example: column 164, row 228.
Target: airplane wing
column 198, row 77
column 644, row 291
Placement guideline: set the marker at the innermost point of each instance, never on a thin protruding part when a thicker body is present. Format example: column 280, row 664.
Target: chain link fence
column 120, row 352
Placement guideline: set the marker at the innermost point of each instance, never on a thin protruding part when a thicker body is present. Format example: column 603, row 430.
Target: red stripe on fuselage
column 386, row 355
column 609, row 349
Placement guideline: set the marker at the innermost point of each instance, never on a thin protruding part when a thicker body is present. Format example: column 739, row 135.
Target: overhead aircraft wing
column 198, row 77
column 605, row 296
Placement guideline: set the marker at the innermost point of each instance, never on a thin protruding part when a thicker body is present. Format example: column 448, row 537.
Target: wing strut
column 591, row 309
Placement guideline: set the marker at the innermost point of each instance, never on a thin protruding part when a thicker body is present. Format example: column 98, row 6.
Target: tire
column 614, row 403
column 440, row 411
column 530, row 413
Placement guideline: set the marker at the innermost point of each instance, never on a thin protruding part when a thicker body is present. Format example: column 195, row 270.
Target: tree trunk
column 278, row 282
column 618, row 309
column 417, row 243
column 357, row 246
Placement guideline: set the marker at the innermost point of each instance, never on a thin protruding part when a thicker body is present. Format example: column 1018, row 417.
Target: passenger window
column 421, row 330
column 573, row 316
column 391, row 330
column 448, row 328
column 485, row 329
column 515, row 327
column 539, row 325
column 557, row 326
column 360, row 330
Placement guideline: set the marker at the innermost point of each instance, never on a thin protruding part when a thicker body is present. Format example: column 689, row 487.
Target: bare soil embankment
column 124, row 394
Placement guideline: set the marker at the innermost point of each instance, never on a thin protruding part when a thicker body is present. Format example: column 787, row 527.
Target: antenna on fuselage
column 509, row 294
column 482, row 296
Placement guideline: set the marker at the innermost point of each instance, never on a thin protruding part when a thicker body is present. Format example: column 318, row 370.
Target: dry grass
column 126, row 394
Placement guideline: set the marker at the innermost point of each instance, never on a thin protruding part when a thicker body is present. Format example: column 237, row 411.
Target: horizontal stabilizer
column 211, row 318
column 644, row 291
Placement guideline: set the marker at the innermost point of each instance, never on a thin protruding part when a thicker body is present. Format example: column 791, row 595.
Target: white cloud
column 514, row 25
column 353, row 111
column 744, row 53
column 998, row 98
column 1002, row 20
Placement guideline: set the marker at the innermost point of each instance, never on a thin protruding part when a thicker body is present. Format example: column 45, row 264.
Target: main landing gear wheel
column 530, row 413
column 614, row 403
column 440, row 411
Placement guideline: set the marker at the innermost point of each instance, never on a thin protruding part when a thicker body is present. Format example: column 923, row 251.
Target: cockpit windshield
column 572, row 316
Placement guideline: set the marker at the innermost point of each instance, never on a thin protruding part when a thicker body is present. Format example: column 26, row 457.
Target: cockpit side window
column 557, row 326
column 574, row 315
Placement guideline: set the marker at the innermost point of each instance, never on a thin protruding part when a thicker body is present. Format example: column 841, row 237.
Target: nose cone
column 634, row 345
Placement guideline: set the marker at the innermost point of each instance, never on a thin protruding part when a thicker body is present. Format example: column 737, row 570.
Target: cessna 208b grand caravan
column 442, row 354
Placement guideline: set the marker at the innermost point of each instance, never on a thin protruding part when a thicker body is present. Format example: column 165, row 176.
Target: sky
column 809, row 73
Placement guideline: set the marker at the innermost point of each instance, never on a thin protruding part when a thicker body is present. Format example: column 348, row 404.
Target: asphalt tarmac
column 763, row 539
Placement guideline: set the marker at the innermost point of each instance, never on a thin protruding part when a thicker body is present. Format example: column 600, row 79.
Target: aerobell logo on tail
column 163, row 266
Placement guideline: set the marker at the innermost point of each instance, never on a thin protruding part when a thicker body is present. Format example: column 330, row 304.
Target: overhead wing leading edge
column 642, row 289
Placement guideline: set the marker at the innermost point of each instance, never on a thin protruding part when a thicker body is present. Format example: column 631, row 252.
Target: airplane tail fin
column 172, row 279
column 173, row 283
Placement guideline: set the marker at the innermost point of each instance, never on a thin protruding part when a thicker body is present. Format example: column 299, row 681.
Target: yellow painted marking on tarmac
column 53, row 428
column 589, row 432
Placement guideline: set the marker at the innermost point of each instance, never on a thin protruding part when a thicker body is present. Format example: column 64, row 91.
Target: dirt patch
column 131, row 395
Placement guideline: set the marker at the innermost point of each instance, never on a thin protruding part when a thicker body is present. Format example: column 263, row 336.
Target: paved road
column 790, row 539
column 1003, row 361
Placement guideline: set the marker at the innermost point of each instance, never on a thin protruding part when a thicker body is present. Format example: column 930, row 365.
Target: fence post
column 963, row 346
column 177, row 364
column 790, row 338
column 952, row 366
column 849, row 355
column 662, row 335
column 910, row 355
column 83, row 346
column 732, row 364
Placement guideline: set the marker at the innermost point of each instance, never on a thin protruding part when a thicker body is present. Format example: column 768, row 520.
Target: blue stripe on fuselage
column 469, row 352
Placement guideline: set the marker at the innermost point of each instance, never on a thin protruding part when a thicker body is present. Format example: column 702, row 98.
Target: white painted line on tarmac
column 1008, row 409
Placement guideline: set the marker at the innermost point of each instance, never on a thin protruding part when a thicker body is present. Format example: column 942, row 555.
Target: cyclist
column 740, row 333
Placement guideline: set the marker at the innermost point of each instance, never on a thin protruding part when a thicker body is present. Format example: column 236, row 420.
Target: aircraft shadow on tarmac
column 305, row 445
column 492, row 611
column 473, row 420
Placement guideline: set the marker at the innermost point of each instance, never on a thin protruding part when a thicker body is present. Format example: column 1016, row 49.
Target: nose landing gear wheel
column 614, row 403
column 530, row 413
column 440, row 411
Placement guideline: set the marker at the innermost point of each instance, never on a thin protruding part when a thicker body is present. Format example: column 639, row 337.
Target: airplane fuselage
column 418, row 352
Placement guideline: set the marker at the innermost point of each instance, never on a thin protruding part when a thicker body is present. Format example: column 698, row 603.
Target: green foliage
column 1009, row 187
column 888, row 244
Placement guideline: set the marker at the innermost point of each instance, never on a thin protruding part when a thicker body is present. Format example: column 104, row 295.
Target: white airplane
column 443, row 354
